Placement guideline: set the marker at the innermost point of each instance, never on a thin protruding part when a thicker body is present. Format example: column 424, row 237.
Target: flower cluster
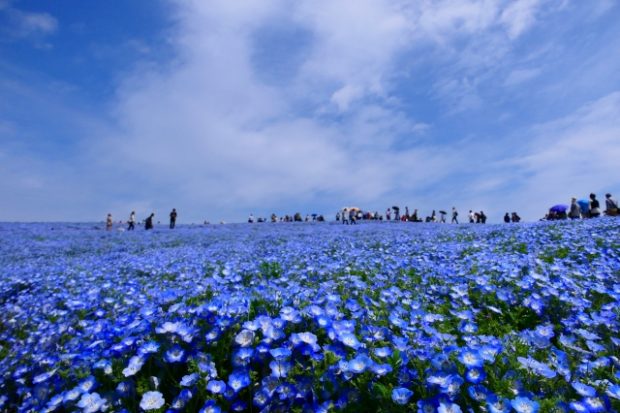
column 376, row 317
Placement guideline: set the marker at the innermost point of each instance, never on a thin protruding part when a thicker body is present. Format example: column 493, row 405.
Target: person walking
column 148, row 223
column 611, row 206
column 132, row 221
column 455, row 215
column 108, row 222
column 595, row 207
column 173, row 218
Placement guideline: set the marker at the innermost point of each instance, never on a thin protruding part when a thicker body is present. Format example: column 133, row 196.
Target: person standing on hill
column 507, row 218
column 595, row 207
column 575, row 210
column 455, row 215
column 148, row 223
column 173, row 218
column 611, row 206
column 132, row 221
column 108, row 222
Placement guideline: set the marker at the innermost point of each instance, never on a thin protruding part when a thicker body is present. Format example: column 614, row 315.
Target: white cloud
column 25, row 24
column 519, row 76
column 571, row 156
column 519, row 16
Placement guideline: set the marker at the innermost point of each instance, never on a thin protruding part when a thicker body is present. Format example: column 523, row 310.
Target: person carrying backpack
column 611, row 206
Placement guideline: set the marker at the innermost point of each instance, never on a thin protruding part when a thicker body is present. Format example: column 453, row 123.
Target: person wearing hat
column 611, row 206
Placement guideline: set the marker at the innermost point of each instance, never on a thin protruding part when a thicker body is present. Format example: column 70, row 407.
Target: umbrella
column 584, row 204
column 396, row 208
column 559, row 208
column 443, row 212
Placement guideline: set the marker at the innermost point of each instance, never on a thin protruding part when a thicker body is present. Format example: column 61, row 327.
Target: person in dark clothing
column 455, row 215
column 132, row 221
column 515, row 217
column 595, row 207
column 148, row 223
column 483, row 218
column 507, row 218
column 173, row 218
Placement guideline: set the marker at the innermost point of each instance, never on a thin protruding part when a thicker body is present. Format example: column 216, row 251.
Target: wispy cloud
column 26, row 24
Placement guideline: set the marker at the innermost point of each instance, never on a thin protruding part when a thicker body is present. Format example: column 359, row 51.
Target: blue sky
column 224, row 108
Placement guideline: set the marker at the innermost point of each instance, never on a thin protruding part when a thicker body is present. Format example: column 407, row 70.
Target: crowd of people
column 583, row 208
column 350, row 215
column 578, row 209
column 148, row 221
column 296, row 217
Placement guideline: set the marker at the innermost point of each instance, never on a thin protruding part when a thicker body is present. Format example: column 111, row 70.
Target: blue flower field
column 378, row 317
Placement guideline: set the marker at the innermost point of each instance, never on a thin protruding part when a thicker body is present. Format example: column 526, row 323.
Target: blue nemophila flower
column 478, row 392
column 359, row 364
column 72, row 395
column 401, row 395
column 583, row 389
column 537, row 367
column 181, row 400
column 349, row 340
column 104, row 365
column 290, row 314
column 88, row 384
column 475, row 375
column 189, row 379
column 614, row 391
column 447, row 407
column 261, row 398
column 426, row 406
column 524, row 405
column 176, row 354
column 123, row 388
column 245, row 338
column 238, row 380
column 471, row 358
column 279, row 368
column 381, row 369
column 596, row 404
column 148, row 348
column 578, row 407
column 280, row 353
column 43, row 377
column 453, row 385
column 91, row 403
column 243, row 356
column 498, row 404
column 210, row 407
column 216, row 386
column 383, row 352
column 134, row 366
column 152, row 400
